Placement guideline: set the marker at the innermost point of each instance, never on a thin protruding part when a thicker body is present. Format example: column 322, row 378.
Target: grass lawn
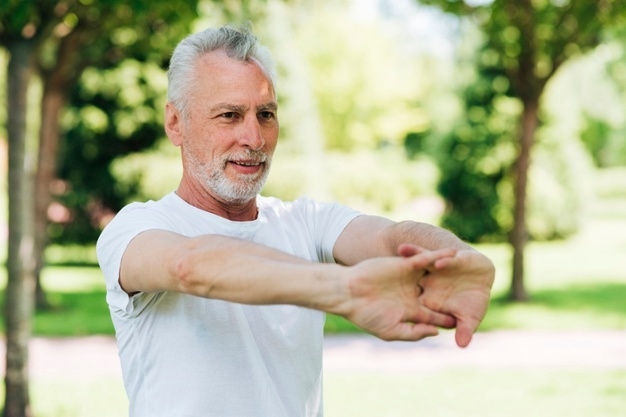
column 477, row 393
column 449, row 393
column 67, row 397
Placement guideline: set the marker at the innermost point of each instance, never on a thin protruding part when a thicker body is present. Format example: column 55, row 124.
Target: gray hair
column 238, row 42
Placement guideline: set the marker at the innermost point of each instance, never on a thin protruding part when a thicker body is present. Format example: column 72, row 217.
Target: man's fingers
column 443, row 263
column 414, row 332
column 464, row 333
column 407, row 250
column 445, row 321
column 429, row 258
column 427, row 316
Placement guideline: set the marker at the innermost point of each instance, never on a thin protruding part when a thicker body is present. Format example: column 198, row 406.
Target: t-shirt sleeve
column 326, row 222
column 112, row 243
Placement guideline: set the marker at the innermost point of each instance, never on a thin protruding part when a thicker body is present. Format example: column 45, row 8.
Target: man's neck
column 241, row 212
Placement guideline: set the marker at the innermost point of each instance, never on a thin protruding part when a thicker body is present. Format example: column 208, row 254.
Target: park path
column 501, row 349
column 97, row 355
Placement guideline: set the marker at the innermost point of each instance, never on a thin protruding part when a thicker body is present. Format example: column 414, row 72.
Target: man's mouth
column 248, row 167
column 247, row 163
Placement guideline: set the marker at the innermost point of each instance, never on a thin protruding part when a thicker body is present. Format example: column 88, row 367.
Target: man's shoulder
column 170, row 203
column 138, row 213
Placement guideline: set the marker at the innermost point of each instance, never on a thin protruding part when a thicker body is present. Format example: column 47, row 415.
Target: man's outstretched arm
column 380, row 295
column 459, row 286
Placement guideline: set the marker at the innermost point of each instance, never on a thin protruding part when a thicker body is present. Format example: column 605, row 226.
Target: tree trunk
column 20, row 260
column 519, row 234
column 52, row 101
column 57, row 83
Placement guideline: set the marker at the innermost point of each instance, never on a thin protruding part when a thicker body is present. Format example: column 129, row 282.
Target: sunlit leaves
column 367, row 91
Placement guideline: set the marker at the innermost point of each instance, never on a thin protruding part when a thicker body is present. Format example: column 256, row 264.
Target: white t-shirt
column 186, row 356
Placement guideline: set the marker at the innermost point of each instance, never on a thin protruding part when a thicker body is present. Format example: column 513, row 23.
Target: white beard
column 241, row 190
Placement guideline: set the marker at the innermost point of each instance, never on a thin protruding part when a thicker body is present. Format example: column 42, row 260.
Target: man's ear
column 173, row 124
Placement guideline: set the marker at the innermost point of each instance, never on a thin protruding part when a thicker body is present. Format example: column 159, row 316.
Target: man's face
column 231, row 128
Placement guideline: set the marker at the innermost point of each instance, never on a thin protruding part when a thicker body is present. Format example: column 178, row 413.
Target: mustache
column 249, row 155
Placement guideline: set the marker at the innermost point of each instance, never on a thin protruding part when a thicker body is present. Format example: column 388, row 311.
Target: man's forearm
column 244, row 272
column 425, row 235
column 220, row 267
column 372, row 236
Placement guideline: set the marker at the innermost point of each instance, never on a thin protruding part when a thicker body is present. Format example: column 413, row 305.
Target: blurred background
column 502, row 120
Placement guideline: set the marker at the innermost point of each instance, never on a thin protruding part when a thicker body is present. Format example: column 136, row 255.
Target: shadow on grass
column 74, row 314
column 601, row 297
column 73, row 263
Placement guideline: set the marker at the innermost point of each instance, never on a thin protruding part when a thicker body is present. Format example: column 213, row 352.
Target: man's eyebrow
column 268, row 107
column 237, row 108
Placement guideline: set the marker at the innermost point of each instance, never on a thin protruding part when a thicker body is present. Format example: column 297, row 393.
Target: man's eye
column 266, row 115
column 229, row 115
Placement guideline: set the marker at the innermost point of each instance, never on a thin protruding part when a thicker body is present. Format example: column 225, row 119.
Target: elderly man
column 218, row 294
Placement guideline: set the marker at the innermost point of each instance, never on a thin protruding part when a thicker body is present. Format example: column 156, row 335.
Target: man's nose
column 251, row 135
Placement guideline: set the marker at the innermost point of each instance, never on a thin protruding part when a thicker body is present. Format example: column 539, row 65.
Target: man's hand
column 459, row 286
column 386, row 297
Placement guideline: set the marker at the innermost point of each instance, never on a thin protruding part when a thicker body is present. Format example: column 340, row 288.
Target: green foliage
column 610, row 183
column 118, row 50
column 603, row 132
column 525, row 43
column 518, row 58
column 71, row 255
column 383, row 180
column 214, row 13
column 22, row 19
column 115, row 109
column 373, row 181
column 476, row 155
column 531, row 40
column 477, row 161
column 559, row 186
column 604, row 142
column 365, row 87
column 586, row 99
column 148, row 174
column 113, row 113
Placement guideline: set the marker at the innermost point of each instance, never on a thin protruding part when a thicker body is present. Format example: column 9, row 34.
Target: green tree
column 106, row 33
column 112, row 113
column 530, row 40
column 22, row 32
column 475, row 156
column 44, row 37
